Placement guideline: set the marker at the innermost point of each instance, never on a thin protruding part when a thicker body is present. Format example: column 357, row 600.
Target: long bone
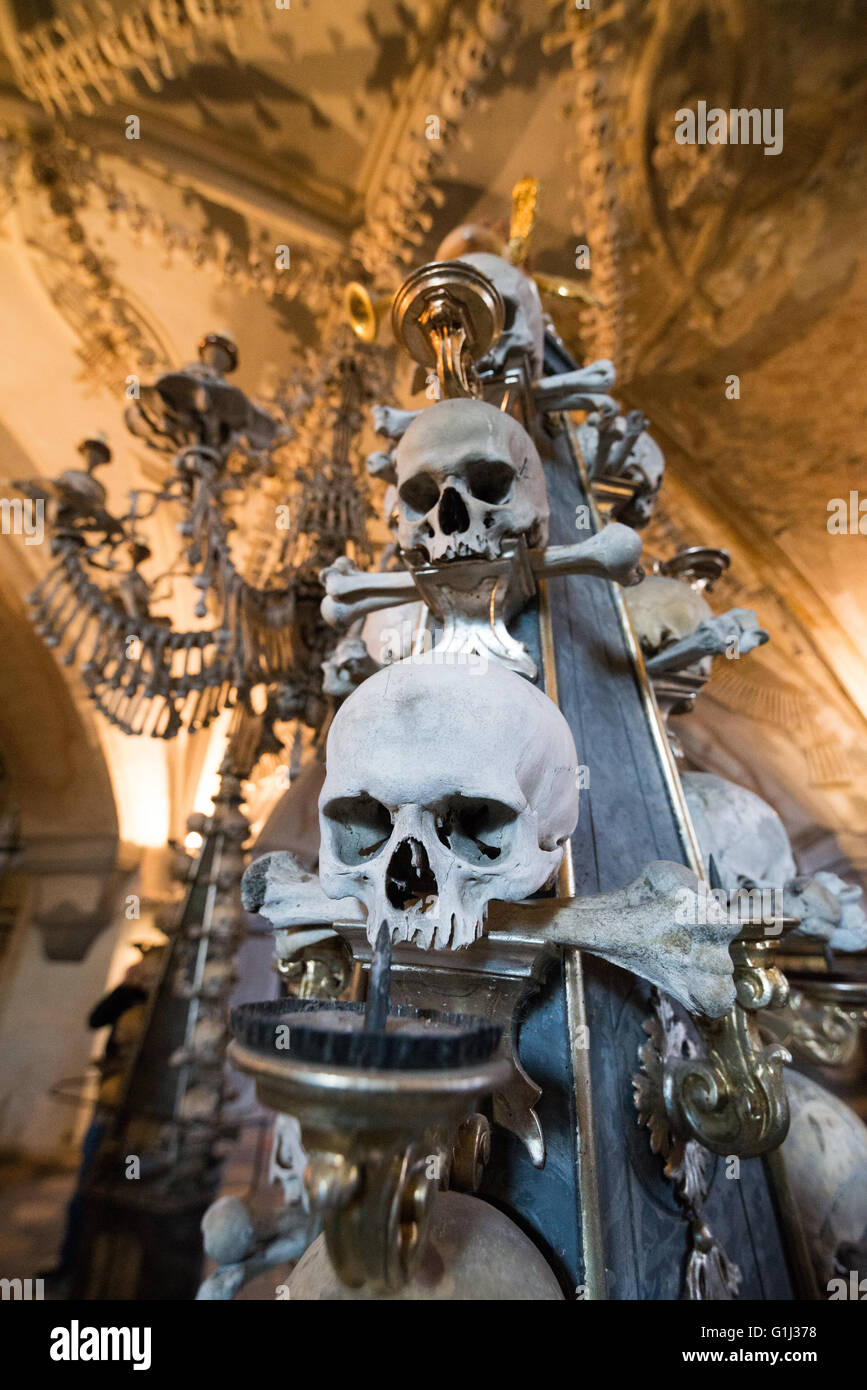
column 639, row 927
column 94, row 603
column 294, row 901
column 350, row 593
column 158, row 671
column 391, row 422
column 643, row 928
column 737, row 628
column 136, row 710
column 136, row 665
column 111, row 624
column 613, row 553
column 585, row 388
column 56, row 621
column 63, row 635
column 71, row 654
column 41, row 600
column 185, row 679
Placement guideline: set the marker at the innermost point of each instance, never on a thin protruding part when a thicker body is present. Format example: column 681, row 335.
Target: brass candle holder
column 379, row 1109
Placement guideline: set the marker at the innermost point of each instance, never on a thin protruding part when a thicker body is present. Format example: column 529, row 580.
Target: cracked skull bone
column 445, row 789
column 468, row 477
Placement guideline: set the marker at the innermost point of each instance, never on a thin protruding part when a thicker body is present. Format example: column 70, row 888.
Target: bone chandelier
column 146, row 675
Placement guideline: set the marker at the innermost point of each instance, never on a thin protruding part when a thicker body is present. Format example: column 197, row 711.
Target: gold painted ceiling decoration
column 692, row 234
column 599, row 40
column 64, row 191
column 438, row 97
column 780, row 703
column 89, row 54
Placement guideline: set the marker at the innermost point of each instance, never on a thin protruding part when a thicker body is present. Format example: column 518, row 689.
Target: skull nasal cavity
column 453, row 514
column 409, row 875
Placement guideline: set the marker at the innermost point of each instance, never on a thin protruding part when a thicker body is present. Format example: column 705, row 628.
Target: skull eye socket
column 360, row 827
column 490, row 480
column 475, row 829
column 420, row 494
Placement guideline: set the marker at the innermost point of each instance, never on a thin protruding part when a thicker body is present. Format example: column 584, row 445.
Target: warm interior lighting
column 209, row 777
column 141, row 788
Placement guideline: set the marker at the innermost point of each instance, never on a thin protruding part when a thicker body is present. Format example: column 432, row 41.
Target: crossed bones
column 585, row 388
column 637, row 927
column 474, row 599
column 351, row 593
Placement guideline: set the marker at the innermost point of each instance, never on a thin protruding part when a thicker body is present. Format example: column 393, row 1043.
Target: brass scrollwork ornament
column 710, row 1273
column 730, row 1100
column 733, row 1099
column 375, row 1214
column 819, row 1029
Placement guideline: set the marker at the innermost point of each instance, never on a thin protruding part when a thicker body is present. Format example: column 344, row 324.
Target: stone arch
column 60, row 786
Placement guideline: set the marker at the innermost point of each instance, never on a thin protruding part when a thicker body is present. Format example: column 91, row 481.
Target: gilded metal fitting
column 733, row 1099
column 377, row 1147
column 446, row 316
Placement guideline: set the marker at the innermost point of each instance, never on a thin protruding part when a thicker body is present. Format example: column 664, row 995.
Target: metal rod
column 376, row 1011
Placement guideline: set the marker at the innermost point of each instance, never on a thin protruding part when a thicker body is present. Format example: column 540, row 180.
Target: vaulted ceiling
column 307, row 127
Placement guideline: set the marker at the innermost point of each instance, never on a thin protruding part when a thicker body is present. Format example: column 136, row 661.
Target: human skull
column 851, row 933
column 611, row 447
column 739, row 829
column 665, row 610
column 446, row 787
column 468, row 477
column 524, row 328
column 825, row 1153
column 829, row 909
column 749, row 843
